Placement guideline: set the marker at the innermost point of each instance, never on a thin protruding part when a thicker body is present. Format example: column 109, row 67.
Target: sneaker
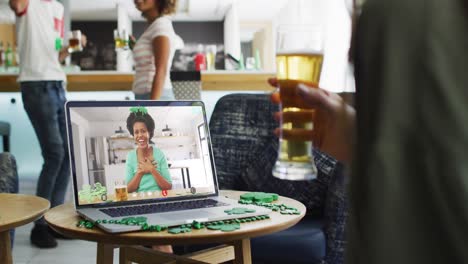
column 57, row 234
column 41, row 238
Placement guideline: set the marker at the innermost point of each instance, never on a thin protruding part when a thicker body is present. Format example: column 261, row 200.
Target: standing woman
column 154, row 51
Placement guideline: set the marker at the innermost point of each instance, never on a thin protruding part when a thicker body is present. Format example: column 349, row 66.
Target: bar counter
column 86, row 81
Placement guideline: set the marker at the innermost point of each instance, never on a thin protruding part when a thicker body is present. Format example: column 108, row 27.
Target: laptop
column 112, row 167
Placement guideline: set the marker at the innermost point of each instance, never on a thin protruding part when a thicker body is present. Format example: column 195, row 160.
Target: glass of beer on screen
column 74, row 41
column 121, row 192
column 298, row 60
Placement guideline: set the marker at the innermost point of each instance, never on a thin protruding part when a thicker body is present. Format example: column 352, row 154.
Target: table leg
column 242, row 251
column 5, row 247
column 105, row 254
column 123, row 256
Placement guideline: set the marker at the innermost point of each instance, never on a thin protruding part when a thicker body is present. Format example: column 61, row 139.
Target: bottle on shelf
column 241, row 63
column 8, row 56
column 200, row 59
column 258, row 64
column 2, row 54
column 16, row 57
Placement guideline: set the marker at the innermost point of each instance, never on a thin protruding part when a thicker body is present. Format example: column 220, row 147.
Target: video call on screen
column 112, row 165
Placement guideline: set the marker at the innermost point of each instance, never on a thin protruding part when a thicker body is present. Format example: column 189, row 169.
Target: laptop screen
column 139, row 150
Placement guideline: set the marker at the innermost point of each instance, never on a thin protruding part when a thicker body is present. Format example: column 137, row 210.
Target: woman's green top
column 147, row 183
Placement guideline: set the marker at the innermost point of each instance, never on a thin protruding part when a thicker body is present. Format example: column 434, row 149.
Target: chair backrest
column 239, row 123
column 8, row 173
column 245, row 150
column 8, row 180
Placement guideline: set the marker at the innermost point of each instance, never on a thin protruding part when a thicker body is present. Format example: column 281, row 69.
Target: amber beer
column 121, row 193
column 74, row 44
column 74, row 41
column 295, row 160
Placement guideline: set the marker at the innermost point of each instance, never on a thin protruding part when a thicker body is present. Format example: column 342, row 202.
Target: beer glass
column 121, row 39
column 298, row 60
column 121, row 193
column 211, row 57
column 74, row 41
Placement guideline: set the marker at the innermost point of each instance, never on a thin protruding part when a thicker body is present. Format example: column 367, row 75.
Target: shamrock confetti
column 265, row 200
column 225, row 227
column 290, row 212
column 259, row 197
column 239, row 210
column 178, row 230
column 90, row 194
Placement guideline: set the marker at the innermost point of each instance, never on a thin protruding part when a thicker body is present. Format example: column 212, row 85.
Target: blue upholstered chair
column 8, row 179
column 245, row 150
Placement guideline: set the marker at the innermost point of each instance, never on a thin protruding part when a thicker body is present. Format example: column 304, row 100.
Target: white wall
column 80, row 128
column 336, row 76
column 232, row 34
column 124, row 57
column 6, row 15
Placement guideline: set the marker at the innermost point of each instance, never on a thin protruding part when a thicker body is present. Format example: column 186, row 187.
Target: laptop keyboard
column 160, row 208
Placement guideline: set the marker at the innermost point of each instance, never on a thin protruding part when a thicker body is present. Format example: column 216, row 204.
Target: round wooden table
column 17, row 210
column 64, row 219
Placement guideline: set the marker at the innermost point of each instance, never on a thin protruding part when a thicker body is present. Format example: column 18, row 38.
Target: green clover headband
column 139, row 109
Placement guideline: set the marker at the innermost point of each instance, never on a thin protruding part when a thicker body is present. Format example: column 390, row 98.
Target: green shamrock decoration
column 178, row 230
column 89, row 194
column 290, row 212
column 139, row 109
column 225, row 227
column 140, row 220
column 266, row 200
column 259, row 197
column 239, row 210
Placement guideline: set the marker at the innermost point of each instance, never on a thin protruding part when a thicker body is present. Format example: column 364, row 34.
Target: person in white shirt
column 154, row 51
column 40, row 32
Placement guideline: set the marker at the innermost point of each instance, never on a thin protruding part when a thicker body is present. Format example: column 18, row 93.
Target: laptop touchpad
column 187, row 215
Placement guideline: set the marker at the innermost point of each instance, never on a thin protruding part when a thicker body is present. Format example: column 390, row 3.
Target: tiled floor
column 68, row 251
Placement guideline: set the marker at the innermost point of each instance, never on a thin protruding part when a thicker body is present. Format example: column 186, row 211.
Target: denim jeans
column 44, row 103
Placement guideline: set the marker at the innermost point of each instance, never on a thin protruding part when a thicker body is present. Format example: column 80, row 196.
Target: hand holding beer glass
column 74, row 41
column 121, row 39
column 299, row 60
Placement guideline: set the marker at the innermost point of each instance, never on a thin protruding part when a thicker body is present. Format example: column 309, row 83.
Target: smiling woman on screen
column 146, row 166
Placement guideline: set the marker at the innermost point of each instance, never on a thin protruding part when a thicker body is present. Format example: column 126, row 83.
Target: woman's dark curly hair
column 166, row 7
column 140, row 117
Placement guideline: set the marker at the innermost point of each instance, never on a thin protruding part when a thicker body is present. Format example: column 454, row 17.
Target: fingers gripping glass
column 299, row 60
column 121, row 39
